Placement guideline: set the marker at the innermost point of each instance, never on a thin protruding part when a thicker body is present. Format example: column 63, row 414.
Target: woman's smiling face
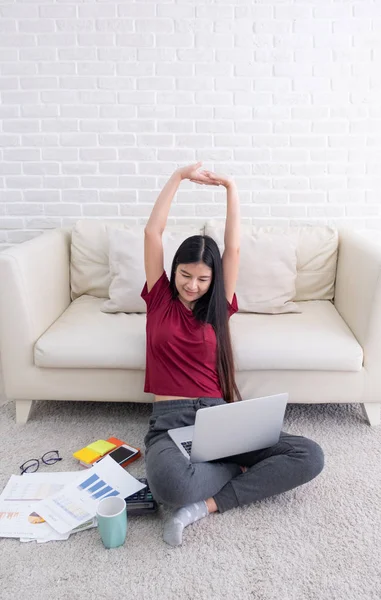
column 192, row 281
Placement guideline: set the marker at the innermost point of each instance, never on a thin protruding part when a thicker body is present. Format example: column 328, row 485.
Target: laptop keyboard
column 187, row 446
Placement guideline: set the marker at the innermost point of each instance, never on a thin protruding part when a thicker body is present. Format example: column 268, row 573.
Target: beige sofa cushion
column 86, row 338
column 318, row 339
column 267, row 274
column 316, row 253
column 89, row 263
column 126, row 257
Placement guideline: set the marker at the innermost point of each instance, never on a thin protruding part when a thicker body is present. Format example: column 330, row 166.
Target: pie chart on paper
column 34, row 518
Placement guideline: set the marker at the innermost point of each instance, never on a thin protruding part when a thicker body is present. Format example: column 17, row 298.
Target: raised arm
column 230, row 257
column 159, row 215
column 153, row 231
column 233, row 219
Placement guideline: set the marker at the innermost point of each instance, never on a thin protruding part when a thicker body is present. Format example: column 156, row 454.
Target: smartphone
column 123, row 453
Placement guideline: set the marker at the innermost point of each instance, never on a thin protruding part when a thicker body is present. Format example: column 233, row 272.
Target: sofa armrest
column 358, row 294
column 34, row 292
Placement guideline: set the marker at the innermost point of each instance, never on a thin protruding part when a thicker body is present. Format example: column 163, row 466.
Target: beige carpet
column 321, row 541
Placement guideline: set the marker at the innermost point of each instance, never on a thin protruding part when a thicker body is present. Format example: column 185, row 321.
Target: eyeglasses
column 49, row 458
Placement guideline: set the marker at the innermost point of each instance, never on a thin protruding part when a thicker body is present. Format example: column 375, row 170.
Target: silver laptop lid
column 238, row 427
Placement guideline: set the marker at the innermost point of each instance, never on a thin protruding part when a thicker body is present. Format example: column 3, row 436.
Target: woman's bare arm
column 232, row 225
column 233, row 219
column 159, row 215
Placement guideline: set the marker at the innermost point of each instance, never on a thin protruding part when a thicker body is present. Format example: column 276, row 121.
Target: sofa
column 62, row 337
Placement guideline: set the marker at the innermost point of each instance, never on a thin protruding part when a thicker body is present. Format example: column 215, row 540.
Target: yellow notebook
column 86, row 455
column 101, row 446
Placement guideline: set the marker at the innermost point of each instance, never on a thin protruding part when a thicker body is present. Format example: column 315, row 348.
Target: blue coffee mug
column 112, row 521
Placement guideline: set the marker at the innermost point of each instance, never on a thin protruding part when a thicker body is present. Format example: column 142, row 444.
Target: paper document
column 77, row 502
column 19, row 502
column 15, row 521
column 35, row 486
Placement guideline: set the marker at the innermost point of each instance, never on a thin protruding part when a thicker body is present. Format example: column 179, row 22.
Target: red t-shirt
column 181, row 355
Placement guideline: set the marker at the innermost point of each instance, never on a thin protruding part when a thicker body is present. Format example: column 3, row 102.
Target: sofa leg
column 371, row 411
column 22, row 410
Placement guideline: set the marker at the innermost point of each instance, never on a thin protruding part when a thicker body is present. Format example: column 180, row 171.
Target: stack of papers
column 51, row 506
column 19, row 506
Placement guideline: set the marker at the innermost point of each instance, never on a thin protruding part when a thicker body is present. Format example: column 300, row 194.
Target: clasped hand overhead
column 204, row 177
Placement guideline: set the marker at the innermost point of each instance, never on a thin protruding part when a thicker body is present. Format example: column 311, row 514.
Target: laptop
column 229, row 429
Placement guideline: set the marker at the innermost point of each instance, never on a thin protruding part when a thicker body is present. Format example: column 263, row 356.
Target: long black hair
column 212, row 306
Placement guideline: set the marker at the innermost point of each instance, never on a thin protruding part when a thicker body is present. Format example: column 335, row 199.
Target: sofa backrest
column 316, row 252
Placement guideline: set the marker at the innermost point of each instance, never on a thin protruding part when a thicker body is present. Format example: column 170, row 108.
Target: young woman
column 190, row 365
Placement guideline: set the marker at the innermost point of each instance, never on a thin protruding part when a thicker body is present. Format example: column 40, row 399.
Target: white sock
column 173, row 528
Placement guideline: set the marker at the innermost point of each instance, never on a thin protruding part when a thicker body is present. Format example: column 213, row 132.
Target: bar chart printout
column 77, row 502
column 97, row 488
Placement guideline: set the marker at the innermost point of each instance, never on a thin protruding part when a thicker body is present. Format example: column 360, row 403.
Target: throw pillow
column 267, row 274
column 126, row 264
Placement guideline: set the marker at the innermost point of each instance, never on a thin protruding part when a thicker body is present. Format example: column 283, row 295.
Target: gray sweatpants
column 175, row 481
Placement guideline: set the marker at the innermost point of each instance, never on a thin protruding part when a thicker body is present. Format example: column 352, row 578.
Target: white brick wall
column 102, row 101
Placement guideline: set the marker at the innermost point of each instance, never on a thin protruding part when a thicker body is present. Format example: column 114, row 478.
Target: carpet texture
column 320, row 541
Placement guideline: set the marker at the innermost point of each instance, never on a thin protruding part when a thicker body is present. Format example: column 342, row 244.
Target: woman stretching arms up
column 189, row 365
